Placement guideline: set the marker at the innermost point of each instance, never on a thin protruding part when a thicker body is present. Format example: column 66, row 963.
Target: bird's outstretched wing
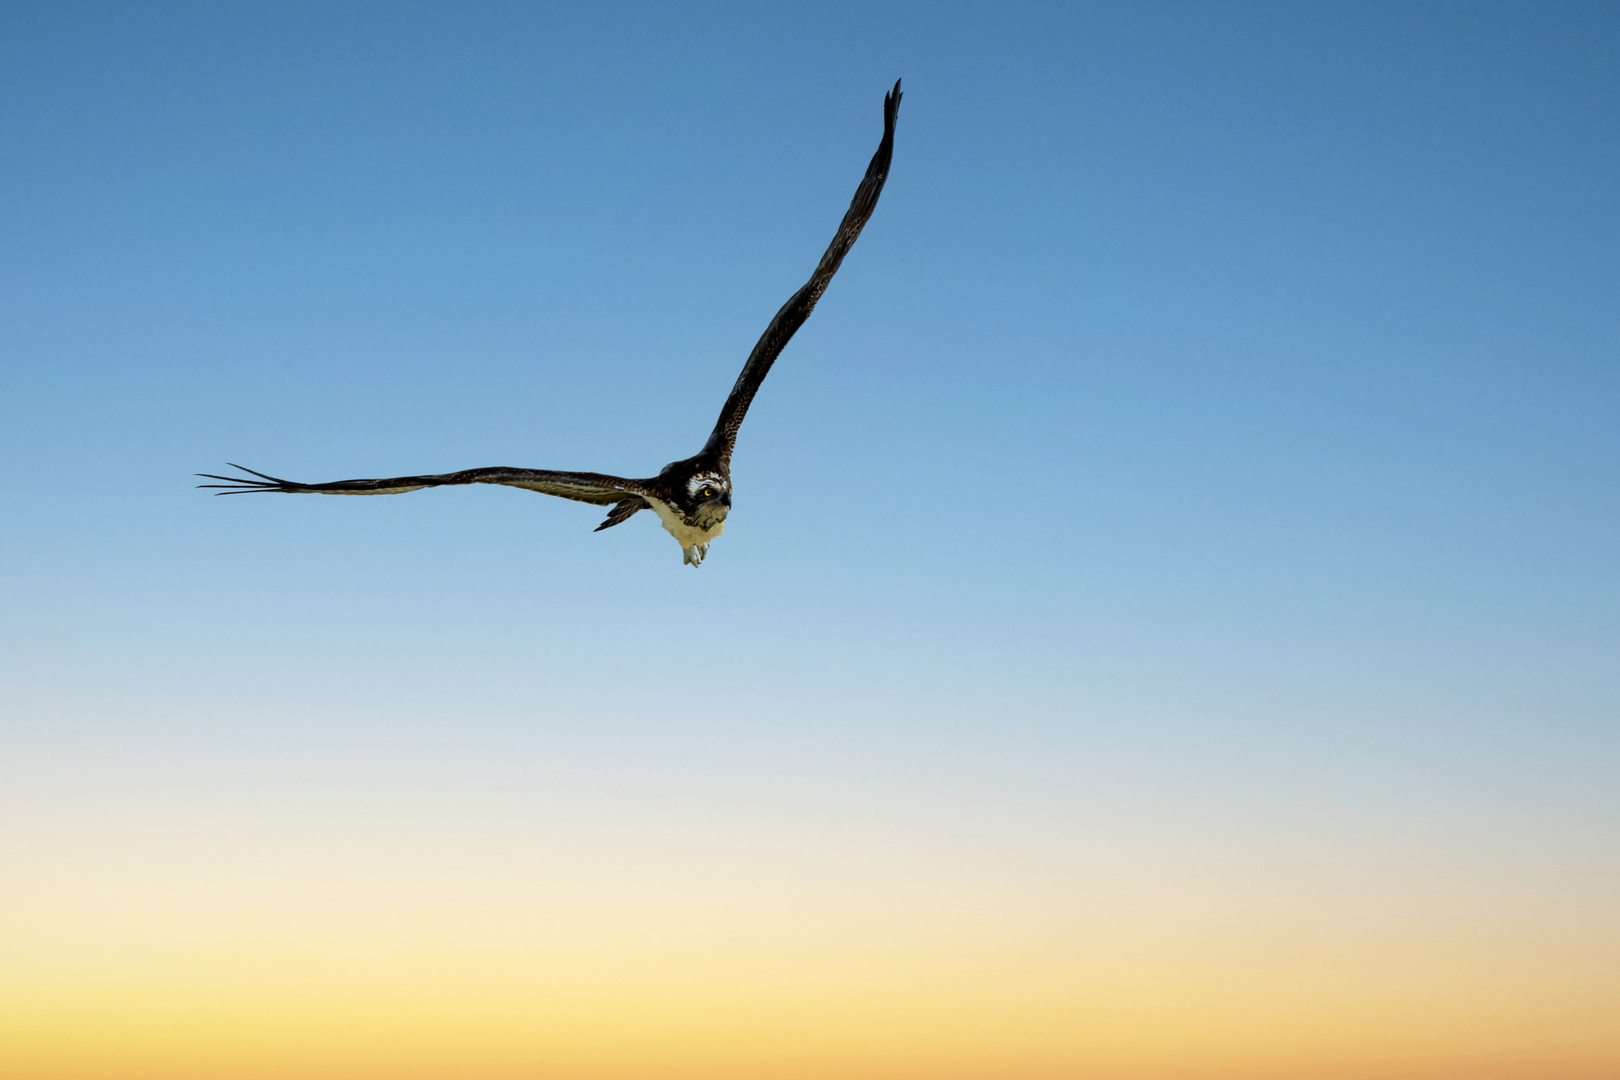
column 798, row 308
column 595, row 488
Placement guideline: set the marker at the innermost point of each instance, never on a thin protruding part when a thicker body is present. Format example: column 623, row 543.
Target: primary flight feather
column 693, row 496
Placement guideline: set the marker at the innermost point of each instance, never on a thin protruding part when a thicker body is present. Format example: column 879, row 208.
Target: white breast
column 684, row 534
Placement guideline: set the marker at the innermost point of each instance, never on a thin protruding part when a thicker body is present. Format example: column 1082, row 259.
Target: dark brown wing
column 581, row 487
column 802, row 303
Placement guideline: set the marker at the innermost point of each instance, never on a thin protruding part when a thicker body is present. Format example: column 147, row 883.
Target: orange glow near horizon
column 691, row 1012
column 640, row 971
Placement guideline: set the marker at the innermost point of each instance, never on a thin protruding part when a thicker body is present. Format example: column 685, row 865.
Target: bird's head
column 698, row 489
column 706, row 499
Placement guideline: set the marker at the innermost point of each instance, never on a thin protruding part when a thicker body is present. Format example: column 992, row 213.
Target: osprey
column 692, row 496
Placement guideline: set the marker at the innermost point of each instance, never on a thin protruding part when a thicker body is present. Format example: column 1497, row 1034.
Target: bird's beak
column 725, row 500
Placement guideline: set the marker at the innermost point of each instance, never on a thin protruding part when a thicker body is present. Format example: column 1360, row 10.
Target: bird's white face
column 709, row 496
column 706, row 486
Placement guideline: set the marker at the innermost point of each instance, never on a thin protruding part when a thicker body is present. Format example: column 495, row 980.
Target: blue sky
column 1215, row 423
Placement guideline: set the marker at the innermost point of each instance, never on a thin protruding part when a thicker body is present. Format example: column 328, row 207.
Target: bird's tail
column 622, row 511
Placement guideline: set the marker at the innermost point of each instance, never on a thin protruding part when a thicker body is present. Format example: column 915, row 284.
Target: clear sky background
column 1169, row 625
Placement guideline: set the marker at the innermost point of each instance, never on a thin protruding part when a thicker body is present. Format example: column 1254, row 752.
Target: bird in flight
column 692, row 496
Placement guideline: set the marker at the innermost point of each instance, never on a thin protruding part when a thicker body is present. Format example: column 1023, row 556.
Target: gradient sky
column 1169, row 626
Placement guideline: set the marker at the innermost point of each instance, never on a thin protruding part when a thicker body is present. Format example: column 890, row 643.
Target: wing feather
column 580, row 486
column 793, row 314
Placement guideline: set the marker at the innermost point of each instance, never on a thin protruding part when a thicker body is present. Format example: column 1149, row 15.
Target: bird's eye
column 708, row 493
